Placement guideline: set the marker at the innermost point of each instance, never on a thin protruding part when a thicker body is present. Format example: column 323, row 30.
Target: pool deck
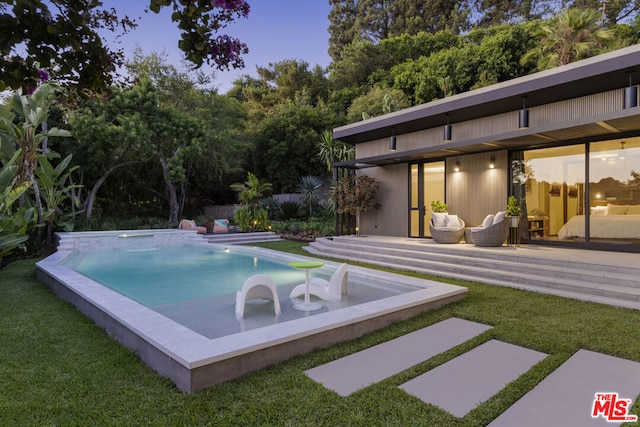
column 194, row 361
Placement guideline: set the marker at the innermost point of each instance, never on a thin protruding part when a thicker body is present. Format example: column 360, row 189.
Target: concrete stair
column 604, row 277
column 240, row 238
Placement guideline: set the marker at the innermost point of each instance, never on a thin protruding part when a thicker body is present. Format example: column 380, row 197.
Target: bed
column 606, row 222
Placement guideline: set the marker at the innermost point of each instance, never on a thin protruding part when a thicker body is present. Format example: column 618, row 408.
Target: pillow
column 616, row 209
column 451, row 221
column 633, row 210
column 598, row 211
column 439, row 219
column 499, row 217
column 487, row 221
column 221, row 226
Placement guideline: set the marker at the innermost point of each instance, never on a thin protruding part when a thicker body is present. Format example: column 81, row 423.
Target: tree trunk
column 91, row 198
column 172, row 196
column 40, row 210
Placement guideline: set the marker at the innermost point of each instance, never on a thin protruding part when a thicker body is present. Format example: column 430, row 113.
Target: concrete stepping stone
column 566, row 397
column 358, row 370
column 461, row 384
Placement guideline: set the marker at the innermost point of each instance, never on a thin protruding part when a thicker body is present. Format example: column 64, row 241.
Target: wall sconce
column 456, row 167
column 630, row 94
column 492, row 163
column 447, row 130
column 523, row 116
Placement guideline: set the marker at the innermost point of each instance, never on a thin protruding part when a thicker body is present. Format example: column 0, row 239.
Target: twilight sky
column 275, row 30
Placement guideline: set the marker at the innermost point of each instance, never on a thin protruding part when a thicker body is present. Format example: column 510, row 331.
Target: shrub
column 272, row 205
column 289, row 210
column 252, row 218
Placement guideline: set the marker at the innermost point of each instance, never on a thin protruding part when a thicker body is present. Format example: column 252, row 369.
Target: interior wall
column 392, row 218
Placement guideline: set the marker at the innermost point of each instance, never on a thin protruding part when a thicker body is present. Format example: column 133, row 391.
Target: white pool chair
column 259, row 286
column 333, row 289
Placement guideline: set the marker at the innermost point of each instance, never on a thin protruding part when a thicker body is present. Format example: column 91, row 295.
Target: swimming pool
column 195, row 285
column 195, row 359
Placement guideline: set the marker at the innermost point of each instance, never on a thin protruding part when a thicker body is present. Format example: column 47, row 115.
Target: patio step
column 241, row 238
column 549, row 271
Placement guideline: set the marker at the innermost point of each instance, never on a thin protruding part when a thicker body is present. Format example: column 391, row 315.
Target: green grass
column 58, row 368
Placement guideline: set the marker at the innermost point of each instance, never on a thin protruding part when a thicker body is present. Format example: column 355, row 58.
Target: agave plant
column 310, row 187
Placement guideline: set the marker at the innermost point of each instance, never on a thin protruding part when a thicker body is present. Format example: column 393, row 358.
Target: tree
column 483, row 56
column 63, row 36
column 285, row 143
column 570, row 36
column 331, row 150
column 353, row 21
column 496, row 12
column 252, row 190
column 613, row 11
column 342, row 26
column 357, row 62
column 415, row 16
column 110, row 135
column 354, row 194
column 377, row 102
column 133, row 127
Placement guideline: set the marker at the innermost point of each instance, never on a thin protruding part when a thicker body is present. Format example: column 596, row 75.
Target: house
column 565, row 142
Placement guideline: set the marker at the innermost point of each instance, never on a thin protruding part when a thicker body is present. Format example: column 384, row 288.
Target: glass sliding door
column 427, row 184
column 567, row 199
column 550, row 183
column 614, row 191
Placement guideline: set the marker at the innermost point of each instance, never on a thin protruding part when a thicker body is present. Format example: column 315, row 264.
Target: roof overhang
column 594, row 75
column 618, row 124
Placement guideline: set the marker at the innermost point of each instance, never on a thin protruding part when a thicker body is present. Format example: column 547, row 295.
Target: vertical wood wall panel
column 392, row 217
column 476, row 190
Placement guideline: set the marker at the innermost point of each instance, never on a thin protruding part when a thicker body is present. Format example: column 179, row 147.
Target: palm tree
column 252, row 190
column 573, row 35
column 332, row 150
column 309, row 187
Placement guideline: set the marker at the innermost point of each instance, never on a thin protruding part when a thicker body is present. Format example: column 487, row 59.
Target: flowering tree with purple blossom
column 63, row 37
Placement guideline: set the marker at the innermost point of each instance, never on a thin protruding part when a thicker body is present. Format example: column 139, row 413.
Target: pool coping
column 195, row 362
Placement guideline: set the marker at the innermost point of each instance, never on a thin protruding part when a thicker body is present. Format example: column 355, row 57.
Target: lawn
column 58, row 368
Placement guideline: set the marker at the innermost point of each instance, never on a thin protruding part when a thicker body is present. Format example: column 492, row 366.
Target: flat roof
column 597, row 74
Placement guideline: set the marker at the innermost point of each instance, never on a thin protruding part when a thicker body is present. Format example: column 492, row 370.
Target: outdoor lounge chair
column 451, row 232
column 333, row 289
column 258, row 286
column 491, row 235
column 187, row 224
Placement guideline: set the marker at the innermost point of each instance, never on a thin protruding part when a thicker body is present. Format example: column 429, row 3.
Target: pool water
column 156, row 277
column 196, row 286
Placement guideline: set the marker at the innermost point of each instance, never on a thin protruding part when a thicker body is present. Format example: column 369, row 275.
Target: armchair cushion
column 488, row 220
column 439, row 219
column 451, row 221
column 499, row 217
